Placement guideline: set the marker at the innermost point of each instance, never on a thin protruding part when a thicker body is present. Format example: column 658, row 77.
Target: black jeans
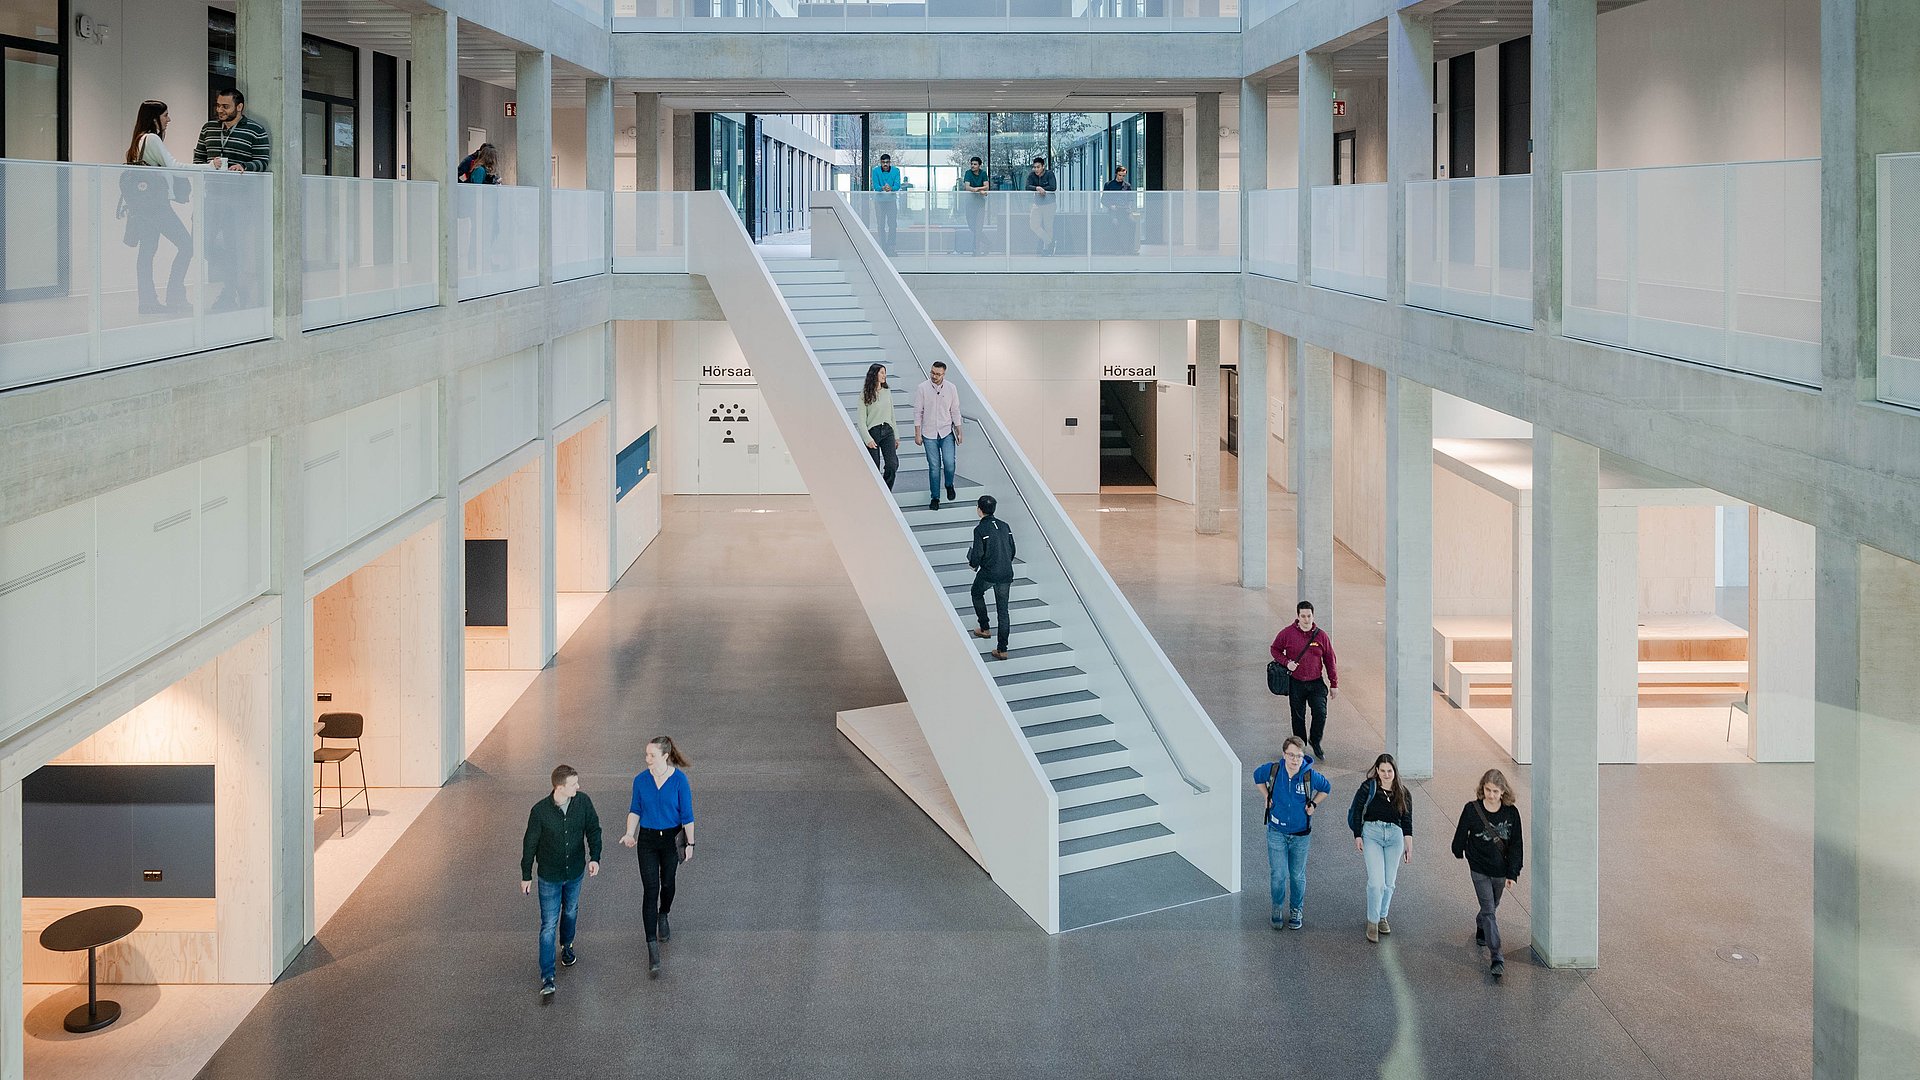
column 886, row 211
column 154, row 223
column 885, row 452
column 1306, row 694
column 1001, row 590
column 659, row 859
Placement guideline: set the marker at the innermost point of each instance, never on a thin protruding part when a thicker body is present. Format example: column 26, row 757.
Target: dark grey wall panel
column 92, row 830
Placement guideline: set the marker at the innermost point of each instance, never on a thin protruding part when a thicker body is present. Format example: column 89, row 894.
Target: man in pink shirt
column 1304, row 648
column 937, row 427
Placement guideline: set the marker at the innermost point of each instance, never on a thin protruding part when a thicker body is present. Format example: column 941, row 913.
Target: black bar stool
column 342, row 726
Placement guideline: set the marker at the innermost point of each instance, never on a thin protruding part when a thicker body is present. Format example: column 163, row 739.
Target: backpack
column 1274, row 777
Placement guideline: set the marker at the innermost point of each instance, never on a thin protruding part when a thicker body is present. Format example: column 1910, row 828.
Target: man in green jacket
column 555, row 828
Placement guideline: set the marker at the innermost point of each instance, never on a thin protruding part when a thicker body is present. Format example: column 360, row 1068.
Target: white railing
column 371, row 248
column 923, row 16
column 102, row 266
column 1068, row 231
column 499, row 238
column 1470, row 247
column 1350, row 224
column 650, row 232
column 1718, row 264
column 579, row 245
column 1273, row 233
column 1897, row 379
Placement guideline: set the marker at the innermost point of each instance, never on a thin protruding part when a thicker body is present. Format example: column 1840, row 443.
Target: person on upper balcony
column 233, row 138
column 1043, row 183
column 887, row 182
column 235, row 211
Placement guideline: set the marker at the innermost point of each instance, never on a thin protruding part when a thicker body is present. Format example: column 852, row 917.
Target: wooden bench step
column 1464, row 675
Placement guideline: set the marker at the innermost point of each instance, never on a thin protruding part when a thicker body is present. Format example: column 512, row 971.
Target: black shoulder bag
column 1279, row 679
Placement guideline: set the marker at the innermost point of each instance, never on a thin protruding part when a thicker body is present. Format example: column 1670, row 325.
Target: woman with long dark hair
column 1488, row 837
column 1382, row 822
column 876, row 423
column 145, row 202
column 660, row 825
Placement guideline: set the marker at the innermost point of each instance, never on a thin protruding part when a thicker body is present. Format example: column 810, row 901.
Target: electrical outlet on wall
column 323, row 697
column 149, row 875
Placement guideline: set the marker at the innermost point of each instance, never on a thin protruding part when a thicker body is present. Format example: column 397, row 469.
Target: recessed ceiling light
column 1344, row 71
column 1488, row 22
column 356, row 22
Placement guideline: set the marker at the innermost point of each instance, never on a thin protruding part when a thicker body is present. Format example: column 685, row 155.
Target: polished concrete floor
column 829, row 929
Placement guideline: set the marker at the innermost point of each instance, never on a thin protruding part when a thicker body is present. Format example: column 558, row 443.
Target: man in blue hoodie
column 1294, row 790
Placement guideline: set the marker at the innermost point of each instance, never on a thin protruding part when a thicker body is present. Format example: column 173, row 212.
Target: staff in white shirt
column 938, row 429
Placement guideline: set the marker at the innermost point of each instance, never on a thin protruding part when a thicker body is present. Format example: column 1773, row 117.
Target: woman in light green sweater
column 876, row 423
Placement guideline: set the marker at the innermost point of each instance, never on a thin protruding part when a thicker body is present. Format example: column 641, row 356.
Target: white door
column 1173, row 443
column 729, row 440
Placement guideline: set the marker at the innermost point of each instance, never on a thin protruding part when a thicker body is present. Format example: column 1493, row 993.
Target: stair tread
column 1095, row 779
column 1047, row 701
column 1041, row 675
column 1114, row 839
column 1102, row 809
column 1061, row 727
column 965, row 588
column 1086, row 750
column 1030, row 650
column 966, row 604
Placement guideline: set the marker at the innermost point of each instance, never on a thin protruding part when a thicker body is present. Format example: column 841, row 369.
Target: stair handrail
column 1146, row 708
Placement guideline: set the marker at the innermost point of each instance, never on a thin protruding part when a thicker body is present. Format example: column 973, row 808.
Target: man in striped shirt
column 233, row 142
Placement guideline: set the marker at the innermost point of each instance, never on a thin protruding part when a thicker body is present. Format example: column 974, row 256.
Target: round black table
column 90, row 929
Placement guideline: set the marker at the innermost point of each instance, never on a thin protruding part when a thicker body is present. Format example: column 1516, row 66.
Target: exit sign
column 1339, row 108
column 512, row 108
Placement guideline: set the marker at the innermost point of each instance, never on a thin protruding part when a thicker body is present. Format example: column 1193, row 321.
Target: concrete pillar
column 549, row 512
column 1255, row 438
column 1780, row 614
column 1869, row 105
column 1253, row 165
column 1410, row 575
column 1866, row 942
column 1565, row 848
column 600, row 146
column 1173, row 158
column 1617, row 634
column 268, row 62
column 1312, row 450
column 1566, row 132
column 646, row 142
column 1206, row 177
column 1409, row 131
column 1316, row 146
column 13, row 950
column 453, row 583
column 289, row 803
column 1521, row 739
column 434, row 101
column 533, row 142
column 683, row 151
column 1206, row 426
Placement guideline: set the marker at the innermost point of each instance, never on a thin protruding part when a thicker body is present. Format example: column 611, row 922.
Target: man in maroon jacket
column 1304, row 648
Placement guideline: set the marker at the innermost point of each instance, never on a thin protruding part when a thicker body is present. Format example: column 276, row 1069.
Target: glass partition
column 650, row 232
column 1470, row 247
column 1273, row 233
column 370, row 248
column 579, row 233
column 1060, row 232
column 1897, row 378
column 498, row 230
column 102, row 266
column 1718, row 264
column 1350, row 223
column 922, row 16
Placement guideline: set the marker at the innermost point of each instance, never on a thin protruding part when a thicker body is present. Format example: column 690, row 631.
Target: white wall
column 1359, row 460
column 1472, row 548
column 153, row 49
column 696, row 354
column 1689, row 81
column 1677, row 560
column 636, row 394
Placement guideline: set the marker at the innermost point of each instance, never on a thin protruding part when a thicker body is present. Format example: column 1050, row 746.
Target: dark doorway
column 1127, row 433
column 1343, row 157
column 1516, row 106
column 1460, row 116
column 386, row 97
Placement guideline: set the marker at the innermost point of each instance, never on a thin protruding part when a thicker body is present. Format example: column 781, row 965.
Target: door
column 1343, row 157
column 1173, row 442
column 728, row 460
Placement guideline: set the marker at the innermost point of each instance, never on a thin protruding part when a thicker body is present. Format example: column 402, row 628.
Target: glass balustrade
column 1718, row 264
column 1350, row 249
column 579, row 221
column 1897, row 379
column 1063, row 232
column 1470, row 247
column 371, row 248
column 102, row 266
column 924, row 16
column 1273, row 233
column 591, row 10
column 498, row 238
column 650, row 232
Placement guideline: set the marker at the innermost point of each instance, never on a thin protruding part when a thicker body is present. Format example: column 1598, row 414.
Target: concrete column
column 1617, row 634
column 1866, row 942
column 1410, row 575
column 289, row 786
column 453, row 583
column 1565, row 854
column 268, row 41
column 1206, row 177
column 1566, row 132
column 533, row 142
column 549, row 512
column 1312, row 450
column 1173, row 158
column 1253, row 166
column 646, row 142
column 13, row 950
column 1869, row 105
column 1522, row 736
column 1781, row 612
column 1316, row 146
column 683, row 151
column 1255, row 438
column 434, row 91
column 1409, row 131
column 600, row 147
column 1206, row 426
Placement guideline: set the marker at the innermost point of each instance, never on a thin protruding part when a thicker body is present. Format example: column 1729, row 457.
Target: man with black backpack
column 991, row 556
column 1294, row 789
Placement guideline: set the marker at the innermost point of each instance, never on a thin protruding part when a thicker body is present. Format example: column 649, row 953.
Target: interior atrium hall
column 929, row 527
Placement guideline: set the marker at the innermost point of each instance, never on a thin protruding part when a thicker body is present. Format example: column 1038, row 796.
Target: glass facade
column 330, row 91
column 932, row 148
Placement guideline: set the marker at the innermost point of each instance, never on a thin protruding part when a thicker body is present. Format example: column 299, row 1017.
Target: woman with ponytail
column 660, row 825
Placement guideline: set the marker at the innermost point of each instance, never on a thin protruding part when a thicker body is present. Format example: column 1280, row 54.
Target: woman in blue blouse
column 661, row 811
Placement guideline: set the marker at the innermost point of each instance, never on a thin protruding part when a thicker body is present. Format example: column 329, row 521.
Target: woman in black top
column 1488, row 837
column 1382, row 822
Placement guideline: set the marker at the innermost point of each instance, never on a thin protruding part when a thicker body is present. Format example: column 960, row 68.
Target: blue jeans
column 559, row 907
column 1381, row 844
column 1287, row 868
column 940, row 452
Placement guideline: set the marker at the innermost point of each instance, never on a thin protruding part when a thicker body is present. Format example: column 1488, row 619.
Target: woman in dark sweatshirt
column 1488, row 837
column 1381, row 818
